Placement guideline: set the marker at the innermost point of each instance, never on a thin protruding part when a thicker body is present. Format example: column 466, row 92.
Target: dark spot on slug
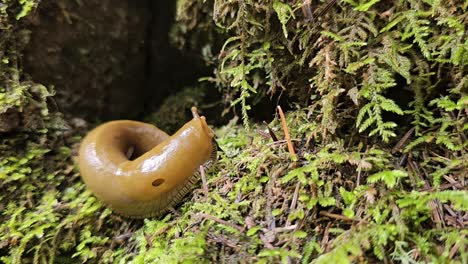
column 157, row 182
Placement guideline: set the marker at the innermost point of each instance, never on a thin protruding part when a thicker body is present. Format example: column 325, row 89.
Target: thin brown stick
column 286, row 134
column 403, row 140
column 295, row 196
column 270, row 131
column 324, row 243
column 337, row 216
column 224, row 241
column 280, row 142
column 204, row 184
column 121, row 238
column 437, row 214
column 263, row 134
column 326, row 8
column 442, row 187
column 455, row 247
column 221, row 221
column 358, row 180
column 450, row 179
column 270, row 219
column 266, row 241
column 283, row 229
column 294, row 201
column 307, row 10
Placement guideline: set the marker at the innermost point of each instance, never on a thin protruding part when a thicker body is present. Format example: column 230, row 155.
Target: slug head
column 204, row 126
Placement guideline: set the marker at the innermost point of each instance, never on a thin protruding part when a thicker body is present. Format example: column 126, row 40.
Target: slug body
column 164, row 170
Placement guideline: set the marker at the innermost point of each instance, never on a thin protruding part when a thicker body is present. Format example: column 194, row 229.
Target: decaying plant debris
column 378, row 124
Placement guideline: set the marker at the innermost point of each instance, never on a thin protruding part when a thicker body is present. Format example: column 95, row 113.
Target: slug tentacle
column 139, row 170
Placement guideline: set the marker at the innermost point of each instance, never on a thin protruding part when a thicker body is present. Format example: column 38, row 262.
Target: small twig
column 324, row 243
column 455, row 247
column 269, row 218
column 270, row 131
column 283, row 229
column 337, row 216
column 238, row 197
column 326, row 8
column 149, row 239
column 295, row 195
column 309, row 139
column 453, row 221
column 439, row 156
column 266, row 242
column 294, row 201
column 442, row 187
column 450, row 179
column 286, row 134
column 436, row 210
column 279, row 142
column 403, row 160
column 121, row 238
column 307, row 10
column 449, row 210
column 403, row 140
column 436, row 213
column 224, row 241
column 221, row 221
column 263, row 134
column 204, row 184
column 358, row 180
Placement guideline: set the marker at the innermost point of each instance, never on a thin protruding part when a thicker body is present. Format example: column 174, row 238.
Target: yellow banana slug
column 163, row 172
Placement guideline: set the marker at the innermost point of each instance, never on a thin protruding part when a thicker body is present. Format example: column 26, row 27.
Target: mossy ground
column 261, row 207
column 374, row 179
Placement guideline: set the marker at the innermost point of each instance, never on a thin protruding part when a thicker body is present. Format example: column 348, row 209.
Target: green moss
column 26, row 7
column 175, row 109
column 247, row 208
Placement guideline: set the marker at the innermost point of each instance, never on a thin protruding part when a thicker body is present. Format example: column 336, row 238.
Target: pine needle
column 286, row 134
